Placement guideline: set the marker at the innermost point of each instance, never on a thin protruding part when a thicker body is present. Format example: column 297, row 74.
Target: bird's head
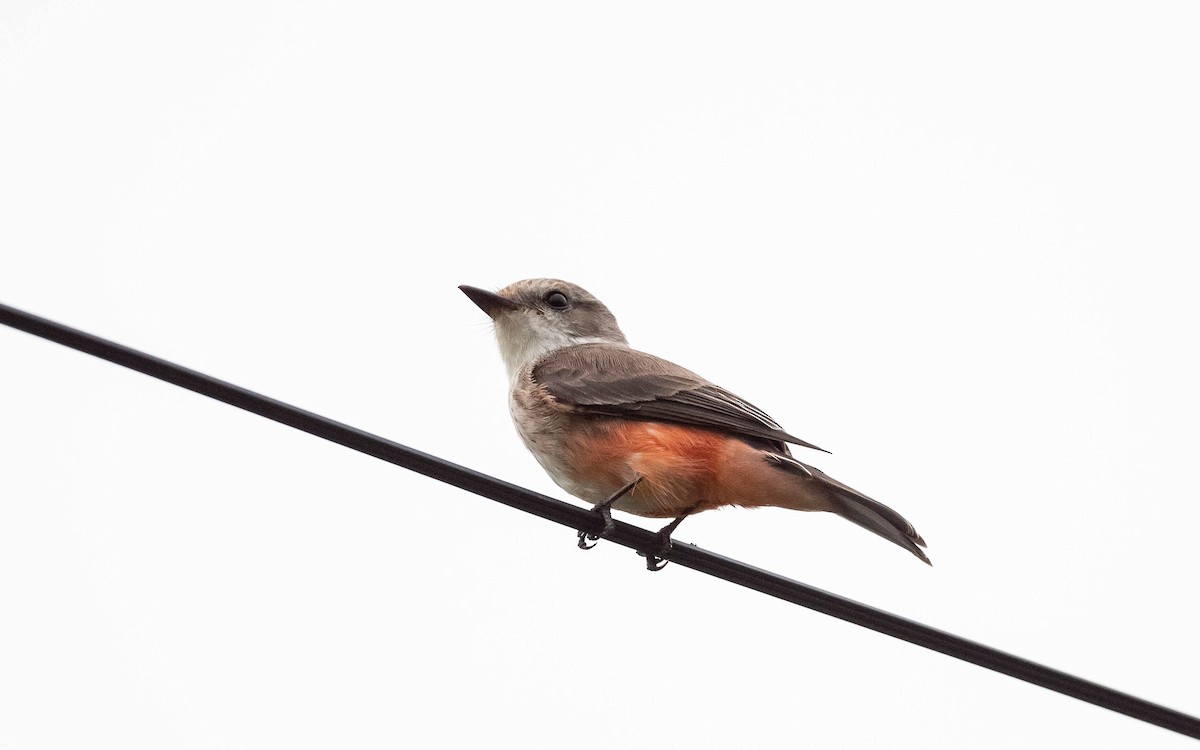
column 537, row 316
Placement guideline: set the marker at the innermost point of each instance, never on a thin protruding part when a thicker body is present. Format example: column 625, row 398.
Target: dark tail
column 852, row 505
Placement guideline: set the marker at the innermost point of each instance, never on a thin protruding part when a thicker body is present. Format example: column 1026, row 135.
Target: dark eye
column 557, row 300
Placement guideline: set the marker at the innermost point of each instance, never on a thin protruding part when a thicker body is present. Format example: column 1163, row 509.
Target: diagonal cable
column 687, row 555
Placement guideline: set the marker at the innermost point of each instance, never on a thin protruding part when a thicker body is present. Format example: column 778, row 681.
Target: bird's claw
column 605, row 513
column 657, row 560
column 604, row 510
column 654, row 562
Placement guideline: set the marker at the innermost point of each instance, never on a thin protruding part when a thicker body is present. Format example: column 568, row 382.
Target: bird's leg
column 655, row 560
column 604, row 510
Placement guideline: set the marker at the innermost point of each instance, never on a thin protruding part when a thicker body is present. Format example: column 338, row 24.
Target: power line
column 626, row 535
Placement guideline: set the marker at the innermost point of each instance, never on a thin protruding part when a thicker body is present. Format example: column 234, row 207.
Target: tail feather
column 856, row 507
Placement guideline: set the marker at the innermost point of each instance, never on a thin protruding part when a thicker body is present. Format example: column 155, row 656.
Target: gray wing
column 619, row 381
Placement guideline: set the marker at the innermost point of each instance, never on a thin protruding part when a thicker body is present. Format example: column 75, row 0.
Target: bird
column 624, row 429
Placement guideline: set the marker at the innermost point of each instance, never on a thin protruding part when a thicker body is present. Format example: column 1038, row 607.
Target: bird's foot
column 653, row 561
column 657, row 559
column 604, row 510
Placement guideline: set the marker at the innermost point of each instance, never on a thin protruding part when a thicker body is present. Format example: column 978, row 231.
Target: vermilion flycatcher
column 627, row 430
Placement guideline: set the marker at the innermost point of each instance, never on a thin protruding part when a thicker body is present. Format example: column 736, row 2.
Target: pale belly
column 547, row 440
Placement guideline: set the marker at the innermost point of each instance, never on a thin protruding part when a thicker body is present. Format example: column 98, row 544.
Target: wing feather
column 619, row 381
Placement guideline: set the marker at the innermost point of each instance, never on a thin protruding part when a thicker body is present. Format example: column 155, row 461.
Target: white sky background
column 957, row 248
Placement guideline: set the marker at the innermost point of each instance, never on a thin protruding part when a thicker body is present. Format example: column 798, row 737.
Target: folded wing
column 619, row 381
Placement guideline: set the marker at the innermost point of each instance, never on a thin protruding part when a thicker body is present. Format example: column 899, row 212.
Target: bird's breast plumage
column 592, row 456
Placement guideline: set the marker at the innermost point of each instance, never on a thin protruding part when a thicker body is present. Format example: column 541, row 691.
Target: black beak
column 490, row 302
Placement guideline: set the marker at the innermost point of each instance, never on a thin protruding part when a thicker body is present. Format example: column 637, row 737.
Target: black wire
column 683, row 554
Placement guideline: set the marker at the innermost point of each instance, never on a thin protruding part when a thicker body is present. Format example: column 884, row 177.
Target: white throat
column 531, row 337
